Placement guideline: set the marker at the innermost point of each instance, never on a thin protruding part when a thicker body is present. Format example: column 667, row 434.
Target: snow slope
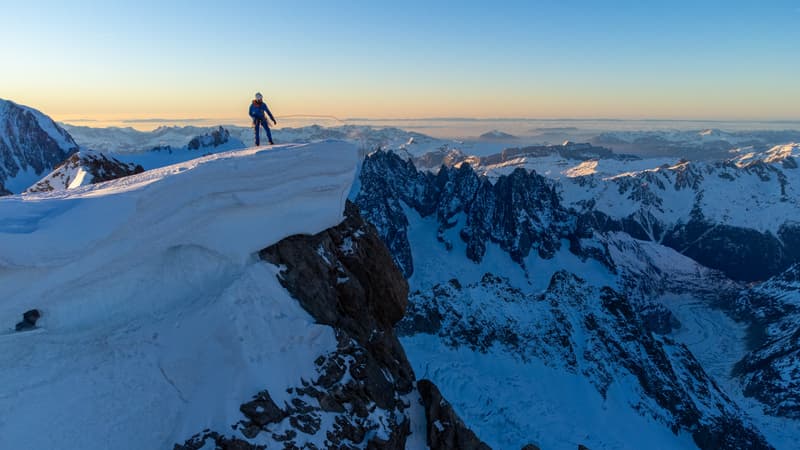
column 157, row 316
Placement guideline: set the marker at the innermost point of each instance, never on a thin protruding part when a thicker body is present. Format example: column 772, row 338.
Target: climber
column 259, row 113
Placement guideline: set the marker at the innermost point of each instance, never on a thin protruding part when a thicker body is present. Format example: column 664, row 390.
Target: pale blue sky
column 706, row 60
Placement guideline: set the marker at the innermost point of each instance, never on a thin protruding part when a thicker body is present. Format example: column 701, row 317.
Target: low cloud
column 160, row 120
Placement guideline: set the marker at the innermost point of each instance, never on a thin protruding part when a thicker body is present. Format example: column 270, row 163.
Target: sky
column 110, row 60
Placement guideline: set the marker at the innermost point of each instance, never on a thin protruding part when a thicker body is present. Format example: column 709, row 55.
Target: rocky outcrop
column 212, row 139
column 82, row 168
column 770, row 372
column 30, row 142
column 361, row 397
column 445, row 429
column 29, row 319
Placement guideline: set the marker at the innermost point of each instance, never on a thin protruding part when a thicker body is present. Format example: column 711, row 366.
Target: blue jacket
column 257, row 111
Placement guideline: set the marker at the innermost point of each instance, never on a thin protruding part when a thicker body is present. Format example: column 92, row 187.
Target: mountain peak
column 497, row 135
column 31, row 144
column 82, row 168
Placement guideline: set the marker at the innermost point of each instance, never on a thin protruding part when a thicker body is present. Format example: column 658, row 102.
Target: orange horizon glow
column 135, row 113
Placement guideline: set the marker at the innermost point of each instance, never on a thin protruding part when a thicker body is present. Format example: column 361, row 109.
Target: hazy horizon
column 465, row 128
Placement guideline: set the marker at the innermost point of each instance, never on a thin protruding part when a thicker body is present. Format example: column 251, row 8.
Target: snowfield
column 157, row 317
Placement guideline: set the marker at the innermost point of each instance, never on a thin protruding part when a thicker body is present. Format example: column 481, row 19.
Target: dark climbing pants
column 257, row 125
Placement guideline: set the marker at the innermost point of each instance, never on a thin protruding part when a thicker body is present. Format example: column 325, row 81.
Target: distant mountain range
column 506, row 264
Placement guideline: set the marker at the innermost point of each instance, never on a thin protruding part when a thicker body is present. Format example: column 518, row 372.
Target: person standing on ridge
column 259, row 113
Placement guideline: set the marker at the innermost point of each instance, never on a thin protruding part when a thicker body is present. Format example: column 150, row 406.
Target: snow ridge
column 153, row 286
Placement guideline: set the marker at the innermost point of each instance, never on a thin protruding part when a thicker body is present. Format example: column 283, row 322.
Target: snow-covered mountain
column 82, row 168
column 706, row 210
column 522, row 300
column 176, row 310
column 703, row 144
column 160, row 147
column 31, row 145
column 738, row 215
column 497, row 135
column 128, row 140
column 125, row 140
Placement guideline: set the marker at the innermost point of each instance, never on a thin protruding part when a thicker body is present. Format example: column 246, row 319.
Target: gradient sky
column 399, row 59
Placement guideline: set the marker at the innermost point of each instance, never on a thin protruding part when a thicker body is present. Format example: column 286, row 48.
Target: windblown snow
column 153, row 298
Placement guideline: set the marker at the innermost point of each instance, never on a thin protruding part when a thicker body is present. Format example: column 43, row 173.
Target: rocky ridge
column 770, row 371
column 521, row 212
column 698, row 209
column 365, row 394
column 85, row 167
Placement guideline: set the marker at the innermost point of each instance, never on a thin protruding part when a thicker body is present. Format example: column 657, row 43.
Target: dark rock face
column 30, row 141
column 344, row 277
column 445, row 429
column 368, row 297
column 213, row 139
column 99, row 167
column 595, row 332
column 743, row 254
column 520, row 212
column 104, row 168
column 219, row 441
column 29, row 320
column 770, row 371
column 386, row 180
column 349, row 283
